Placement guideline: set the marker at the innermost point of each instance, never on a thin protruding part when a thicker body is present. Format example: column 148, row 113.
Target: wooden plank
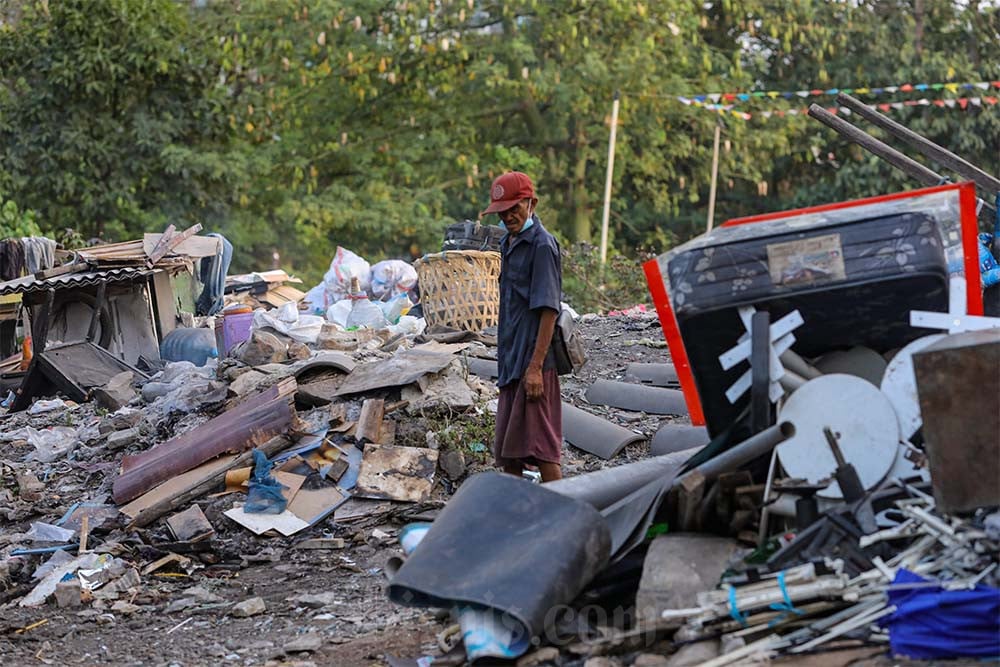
column 168, row 234
column 162, row 249
column 691, row 490
column 194, row 246
column 370, row 421
column 63, row 270
column 182, row 489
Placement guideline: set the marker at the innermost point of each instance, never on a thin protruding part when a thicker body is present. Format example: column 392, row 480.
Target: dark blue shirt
column 530, row 281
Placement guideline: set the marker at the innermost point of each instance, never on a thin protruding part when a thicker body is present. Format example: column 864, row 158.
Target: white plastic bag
column 339, row 312
column 301, row 328
column 391, row 277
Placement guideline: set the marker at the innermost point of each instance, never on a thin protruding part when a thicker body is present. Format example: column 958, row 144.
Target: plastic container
column 194, row 345
column 364, row 313
column 232, row 329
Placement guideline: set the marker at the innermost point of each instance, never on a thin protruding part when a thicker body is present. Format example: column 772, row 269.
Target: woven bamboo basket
column 460, row 289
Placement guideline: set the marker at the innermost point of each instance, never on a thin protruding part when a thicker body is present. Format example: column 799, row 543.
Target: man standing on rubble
column 529, row 417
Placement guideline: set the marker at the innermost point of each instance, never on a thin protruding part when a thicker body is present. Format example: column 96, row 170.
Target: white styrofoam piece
column 900, row 385
column 743, row 384
column 741, row 350
column 853, row 408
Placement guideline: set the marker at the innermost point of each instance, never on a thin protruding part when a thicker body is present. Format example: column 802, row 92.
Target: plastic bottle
column 194, row 345
column 398, row 306
column 364, row 313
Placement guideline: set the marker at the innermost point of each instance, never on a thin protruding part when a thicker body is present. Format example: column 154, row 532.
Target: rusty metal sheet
column 396, row 473
column 245, row 426
column 958, row 384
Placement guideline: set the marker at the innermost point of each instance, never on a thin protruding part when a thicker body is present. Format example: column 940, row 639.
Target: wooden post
column 715, row 177
column 607, row 181
column 369, row 426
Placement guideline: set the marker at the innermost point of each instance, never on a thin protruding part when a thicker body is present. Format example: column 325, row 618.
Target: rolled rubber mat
column 507, row 544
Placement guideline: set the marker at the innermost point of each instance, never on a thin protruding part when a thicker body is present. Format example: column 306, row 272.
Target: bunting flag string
column 959, row 103
column 716, row 98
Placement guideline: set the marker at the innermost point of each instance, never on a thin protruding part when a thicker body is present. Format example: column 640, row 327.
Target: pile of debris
column 822, row 497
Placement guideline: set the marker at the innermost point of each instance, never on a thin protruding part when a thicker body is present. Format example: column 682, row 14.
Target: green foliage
column 101, row 103
column 15, row 223
column 294, row 127
column 590, row 287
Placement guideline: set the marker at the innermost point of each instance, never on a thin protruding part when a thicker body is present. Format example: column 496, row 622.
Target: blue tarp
column 931, row 622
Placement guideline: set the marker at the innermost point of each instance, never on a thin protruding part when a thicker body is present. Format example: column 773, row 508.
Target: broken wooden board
column 594, row 434
column 182, row 489
column 396, row 473
column 314, row 505
column 285, row 523
column 247, row 425
column 370, row 421
column 401, row 369
column 637, row 398
column 191, row 525
column 195, row 246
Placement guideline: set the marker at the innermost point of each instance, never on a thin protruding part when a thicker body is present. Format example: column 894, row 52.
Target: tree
column 112, row 117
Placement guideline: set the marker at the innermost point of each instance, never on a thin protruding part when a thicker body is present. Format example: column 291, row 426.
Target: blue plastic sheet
column 931, row 622
column 264, row 495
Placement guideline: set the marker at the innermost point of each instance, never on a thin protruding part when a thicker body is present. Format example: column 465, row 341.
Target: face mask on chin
column 527, row 223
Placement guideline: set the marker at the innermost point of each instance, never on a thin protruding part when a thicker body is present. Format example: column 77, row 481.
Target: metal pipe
column 904, row 163
column 604, row 488
column 745, row 452
column 928, row 148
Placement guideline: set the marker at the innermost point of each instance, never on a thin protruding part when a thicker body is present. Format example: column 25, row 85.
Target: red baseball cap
column 509, row 189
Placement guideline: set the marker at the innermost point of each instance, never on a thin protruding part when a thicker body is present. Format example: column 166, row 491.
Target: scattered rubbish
column 267, row 414
column 38, row 407
column 46, row 532
column 396, row 473
column 264, row 495
column 403, row 368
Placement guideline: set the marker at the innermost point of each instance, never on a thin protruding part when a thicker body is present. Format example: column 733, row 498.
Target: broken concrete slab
column 452, row 462
column 68, row 593
column 396, row 473
column 263, row 347
column 249, row 608
column 678, row 437
column 447, row 390
column 403, row 368
column 122, row 439
column 247, row 382
column 117, row 393
column 676, row 569
column 594, row 434
column 637, row 397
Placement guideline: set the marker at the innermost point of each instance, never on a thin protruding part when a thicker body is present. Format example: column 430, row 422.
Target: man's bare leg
column 550, row 471
column 514, row 467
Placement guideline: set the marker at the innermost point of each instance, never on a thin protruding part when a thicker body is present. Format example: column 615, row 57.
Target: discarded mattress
column 593, row 434
column 637, row 397
column 486, row 550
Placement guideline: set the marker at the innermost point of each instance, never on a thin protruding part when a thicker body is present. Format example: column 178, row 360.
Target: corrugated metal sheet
column 30, row 284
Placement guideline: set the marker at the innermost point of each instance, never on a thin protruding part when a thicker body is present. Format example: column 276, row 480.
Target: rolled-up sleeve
column 546, row 278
